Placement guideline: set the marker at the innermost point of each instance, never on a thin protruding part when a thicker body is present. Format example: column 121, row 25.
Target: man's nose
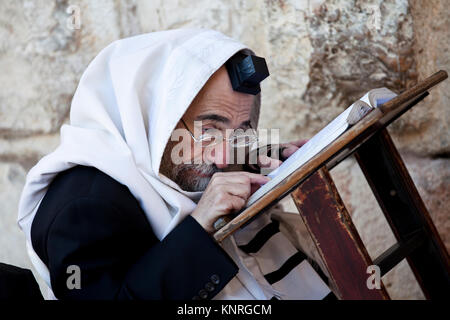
column 219, row 154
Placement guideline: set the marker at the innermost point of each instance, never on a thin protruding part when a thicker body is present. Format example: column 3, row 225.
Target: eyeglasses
column 238, row 138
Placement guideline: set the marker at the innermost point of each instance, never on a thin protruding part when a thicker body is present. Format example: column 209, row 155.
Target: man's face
column 218, row 107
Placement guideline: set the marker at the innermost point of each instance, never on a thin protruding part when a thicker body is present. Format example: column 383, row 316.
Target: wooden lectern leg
column 407, row 215
column 336, row 238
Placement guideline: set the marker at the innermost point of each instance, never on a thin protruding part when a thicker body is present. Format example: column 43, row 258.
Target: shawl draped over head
column 127, row 103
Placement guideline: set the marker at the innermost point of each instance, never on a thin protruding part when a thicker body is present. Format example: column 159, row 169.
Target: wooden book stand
column 330, row 224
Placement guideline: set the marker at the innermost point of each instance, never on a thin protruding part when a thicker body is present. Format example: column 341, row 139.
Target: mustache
column 203, row 168
column 194, row 181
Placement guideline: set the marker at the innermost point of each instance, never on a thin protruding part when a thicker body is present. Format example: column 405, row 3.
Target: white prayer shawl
column 128, row 101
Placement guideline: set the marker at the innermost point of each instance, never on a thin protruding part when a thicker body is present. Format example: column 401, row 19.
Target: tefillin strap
column 246, row 72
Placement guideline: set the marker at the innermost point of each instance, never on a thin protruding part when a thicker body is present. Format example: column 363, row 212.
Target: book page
column 316, row 144
column 323, row 138
column 378, row 96
column 359, row 111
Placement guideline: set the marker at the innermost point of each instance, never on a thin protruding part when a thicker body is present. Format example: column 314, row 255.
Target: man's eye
column 208, row 130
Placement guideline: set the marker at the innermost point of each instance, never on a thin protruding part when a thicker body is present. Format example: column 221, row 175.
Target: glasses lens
column 212, row 137
column 243, row 140
column 239, row 138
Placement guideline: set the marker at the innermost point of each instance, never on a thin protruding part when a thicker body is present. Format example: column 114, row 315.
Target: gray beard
column 187, row 178
column 187, row 175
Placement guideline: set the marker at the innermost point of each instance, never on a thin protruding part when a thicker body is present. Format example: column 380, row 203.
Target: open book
column 324, row 137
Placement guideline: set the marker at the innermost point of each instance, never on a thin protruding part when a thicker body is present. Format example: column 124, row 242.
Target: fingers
column 289, row 150
column 241, row 184
column 291, row 147
column 267, row 162
column 299, row 143
column 240, row 190
column 256, row 178
column 227, row 192
column 233, row 204
column 239, row 177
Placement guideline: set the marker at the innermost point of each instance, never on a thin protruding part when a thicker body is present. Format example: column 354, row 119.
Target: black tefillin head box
column 246, row 72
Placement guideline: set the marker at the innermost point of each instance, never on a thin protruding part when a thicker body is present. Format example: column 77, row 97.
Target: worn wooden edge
column 348, row 236
column 415, row 91
column 372, row 122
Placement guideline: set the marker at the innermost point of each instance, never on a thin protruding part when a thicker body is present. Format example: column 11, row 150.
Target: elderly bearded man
column 110, row 204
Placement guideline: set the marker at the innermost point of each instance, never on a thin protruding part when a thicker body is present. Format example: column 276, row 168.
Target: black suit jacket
column 18, row 284
column 90, row 220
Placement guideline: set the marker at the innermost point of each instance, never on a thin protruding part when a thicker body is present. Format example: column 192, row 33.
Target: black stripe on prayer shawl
column 287, row 267
column 319, row 271
column 261, row 237
column 258, row 241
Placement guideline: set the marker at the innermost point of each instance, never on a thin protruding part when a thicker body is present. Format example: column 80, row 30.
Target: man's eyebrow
column 218, row 118
column 213, row 117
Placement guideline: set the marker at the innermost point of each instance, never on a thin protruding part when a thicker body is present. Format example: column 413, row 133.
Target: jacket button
column 209, row 287
column 215, row 279
column 203, row 294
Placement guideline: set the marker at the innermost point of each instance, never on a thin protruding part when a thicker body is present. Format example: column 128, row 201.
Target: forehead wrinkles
column 234, row 108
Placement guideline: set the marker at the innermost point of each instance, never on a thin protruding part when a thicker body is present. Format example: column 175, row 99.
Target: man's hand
column 287, row 150
column 227, row 192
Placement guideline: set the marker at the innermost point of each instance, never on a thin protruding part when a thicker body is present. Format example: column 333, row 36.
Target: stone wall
column 322, row 55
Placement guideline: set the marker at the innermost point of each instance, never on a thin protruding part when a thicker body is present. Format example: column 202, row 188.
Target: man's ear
column 166, row 162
